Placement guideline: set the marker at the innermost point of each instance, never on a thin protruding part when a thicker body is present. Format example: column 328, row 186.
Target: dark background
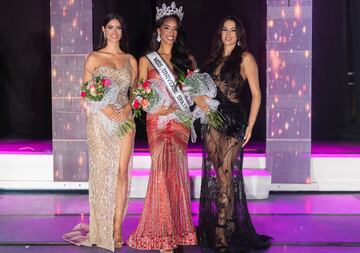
column 25, row 81
column 200, row 22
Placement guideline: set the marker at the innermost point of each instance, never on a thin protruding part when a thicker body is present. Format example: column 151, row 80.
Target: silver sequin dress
column 104, row 158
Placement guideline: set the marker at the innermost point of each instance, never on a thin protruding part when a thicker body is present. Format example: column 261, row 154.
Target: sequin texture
column 104, row 156
column 166, row 220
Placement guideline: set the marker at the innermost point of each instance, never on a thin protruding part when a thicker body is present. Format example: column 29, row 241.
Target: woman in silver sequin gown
column 110, row 157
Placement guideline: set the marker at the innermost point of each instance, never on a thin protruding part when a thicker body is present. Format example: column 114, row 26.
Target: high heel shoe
column 118, row 242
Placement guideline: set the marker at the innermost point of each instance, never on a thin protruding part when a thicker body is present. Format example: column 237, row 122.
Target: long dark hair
column 123, row 43
column 231, row 67
column 179, row 52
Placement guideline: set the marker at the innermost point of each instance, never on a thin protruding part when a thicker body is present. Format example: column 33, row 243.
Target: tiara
column 169, row 10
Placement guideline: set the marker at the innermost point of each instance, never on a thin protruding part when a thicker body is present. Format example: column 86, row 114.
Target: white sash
column 169, row 79
column 170, row 82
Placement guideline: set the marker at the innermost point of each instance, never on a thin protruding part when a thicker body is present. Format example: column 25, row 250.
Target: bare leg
column 122, row 186
column 227, row 185
column 212, row 146
column 222, row 151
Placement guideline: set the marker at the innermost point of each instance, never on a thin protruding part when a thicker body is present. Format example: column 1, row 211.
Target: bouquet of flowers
column 150, row 96
column 142, row 95
column 95, row 88
column 201, row 84
column 98, row 93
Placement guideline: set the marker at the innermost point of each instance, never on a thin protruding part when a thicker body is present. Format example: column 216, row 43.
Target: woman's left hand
column 201, row 102
column 123, row 112
column 247, row 136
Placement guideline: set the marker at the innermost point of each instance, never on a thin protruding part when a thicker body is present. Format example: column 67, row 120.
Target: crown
column 169, row 10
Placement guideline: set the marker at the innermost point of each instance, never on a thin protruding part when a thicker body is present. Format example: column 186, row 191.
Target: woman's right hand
column 201, row 102
column 112, row 114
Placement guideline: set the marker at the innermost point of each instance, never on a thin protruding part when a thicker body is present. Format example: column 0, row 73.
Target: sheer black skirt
column 224, row 220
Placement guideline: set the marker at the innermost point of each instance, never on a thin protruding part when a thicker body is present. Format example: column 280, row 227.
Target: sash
column 171, row 85
column 169, row 80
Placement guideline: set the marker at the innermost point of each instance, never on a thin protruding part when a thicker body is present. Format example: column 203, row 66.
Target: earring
column 158, row 38
column 238, row 43
column 105, row 36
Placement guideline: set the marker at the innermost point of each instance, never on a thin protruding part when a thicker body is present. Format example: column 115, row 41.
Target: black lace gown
column 224, row 220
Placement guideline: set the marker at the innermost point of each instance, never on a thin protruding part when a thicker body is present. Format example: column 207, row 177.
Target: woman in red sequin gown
column 166, row 220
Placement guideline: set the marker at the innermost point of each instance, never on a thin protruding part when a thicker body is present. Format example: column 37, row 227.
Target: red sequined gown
column 166, row 220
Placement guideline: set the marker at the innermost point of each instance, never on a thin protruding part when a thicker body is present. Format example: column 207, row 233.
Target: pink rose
column 147, row 89
column 89, row 84
column 83, row 94
column 144, row 103
column 106, row 82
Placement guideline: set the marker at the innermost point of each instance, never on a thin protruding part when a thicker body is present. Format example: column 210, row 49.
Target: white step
column 16, row 175
column 142, row 160
column 257, row 183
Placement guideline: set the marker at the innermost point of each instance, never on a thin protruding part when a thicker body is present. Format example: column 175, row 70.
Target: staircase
column 257, row 178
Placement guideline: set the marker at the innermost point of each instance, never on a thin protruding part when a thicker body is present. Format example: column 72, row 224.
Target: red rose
column 106, row 82
column 189, row 73
column 146, row 84
column 136, row 104
column 83, row 94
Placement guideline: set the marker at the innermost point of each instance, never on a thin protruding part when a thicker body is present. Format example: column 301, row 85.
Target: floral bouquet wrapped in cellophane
column 201, row 84
column 100, row 92
column 150, row 96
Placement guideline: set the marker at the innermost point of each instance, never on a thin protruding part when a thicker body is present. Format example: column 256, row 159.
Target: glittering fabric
column 166, row 220
column 104, row 157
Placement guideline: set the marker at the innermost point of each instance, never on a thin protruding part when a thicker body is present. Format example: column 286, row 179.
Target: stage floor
column 306, row 223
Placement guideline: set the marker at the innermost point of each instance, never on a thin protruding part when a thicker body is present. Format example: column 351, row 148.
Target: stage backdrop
column 25, row 59
column 71, row 42
column 288, row 131
column 200, row 23
column 71, row 37
column 288, row 79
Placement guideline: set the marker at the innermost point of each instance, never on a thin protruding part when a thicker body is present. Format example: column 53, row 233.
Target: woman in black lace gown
column 224, row 222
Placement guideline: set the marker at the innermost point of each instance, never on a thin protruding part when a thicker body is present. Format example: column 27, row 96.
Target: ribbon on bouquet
column 170, row 81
